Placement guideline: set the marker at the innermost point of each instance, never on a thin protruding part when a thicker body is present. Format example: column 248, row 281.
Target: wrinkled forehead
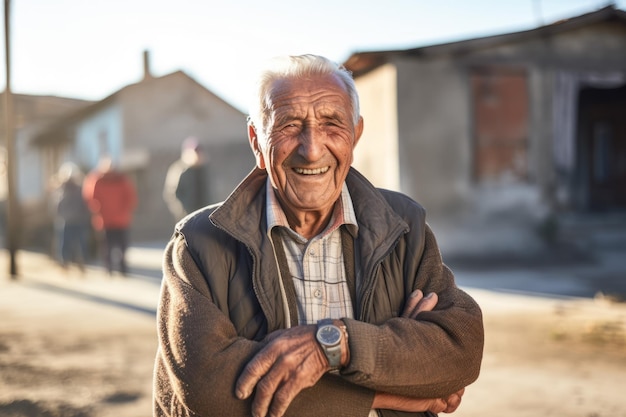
column 301, row 94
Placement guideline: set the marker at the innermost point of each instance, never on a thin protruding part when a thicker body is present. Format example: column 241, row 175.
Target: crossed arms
column 204, row 368
column 293, row 361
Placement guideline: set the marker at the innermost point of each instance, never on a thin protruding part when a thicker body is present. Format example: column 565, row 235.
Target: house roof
column 362, row 62
column 39, row 110
column 60, row 130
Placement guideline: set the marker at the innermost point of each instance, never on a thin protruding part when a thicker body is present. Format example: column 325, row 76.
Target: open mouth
column 311, row 171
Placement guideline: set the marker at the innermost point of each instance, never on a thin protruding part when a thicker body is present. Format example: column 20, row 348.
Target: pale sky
column 91, row 48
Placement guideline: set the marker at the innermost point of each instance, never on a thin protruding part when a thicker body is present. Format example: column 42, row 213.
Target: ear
column 256, row 148
column 358, row 131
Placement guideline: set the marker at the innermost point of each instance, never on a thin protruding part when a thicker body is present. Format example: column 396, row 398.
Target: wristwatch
column 329, row 337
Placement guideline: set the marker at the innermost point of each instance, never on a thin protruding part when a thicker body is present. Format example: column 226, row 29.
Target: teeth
column 311, row 171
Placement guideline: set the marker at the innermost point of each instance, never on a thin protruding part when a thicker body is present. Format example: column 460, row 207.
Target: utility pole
column 11, row 218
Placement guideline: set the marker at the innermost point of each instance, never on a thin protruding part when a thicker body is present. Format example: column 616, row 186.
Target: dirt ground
column 84, row 347
column 549, row 357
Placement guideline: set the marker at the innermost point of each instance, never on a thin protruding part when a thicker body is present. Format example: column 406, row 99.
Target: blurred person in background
column 111, row 197
column 308, row 291
column 186, row 186
column 71, row 217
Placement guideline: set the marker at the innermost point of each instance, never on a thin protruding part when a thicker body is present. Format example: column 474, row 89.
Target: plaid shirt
column 316, row 265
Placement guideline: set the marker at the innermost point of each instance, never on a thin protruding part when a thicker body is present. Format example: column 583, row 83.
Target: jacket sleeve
column 200, row 356
column 431, row 356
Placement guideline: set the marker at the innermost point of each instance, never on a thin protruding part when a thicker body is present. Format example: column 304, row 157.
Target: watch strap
column 333, row 353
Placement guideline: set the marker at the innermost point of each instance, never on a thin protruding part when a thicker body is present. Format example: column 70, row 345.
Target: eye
column 332, row 122
column 332, row 127
column 291, row 127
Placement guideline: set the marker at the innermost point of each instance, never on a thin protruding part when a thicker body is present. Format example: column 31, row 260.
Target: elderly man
column 303, row 293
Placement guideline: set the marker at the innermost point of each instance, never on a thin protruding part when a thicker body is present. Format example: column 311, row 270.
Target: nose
column 311, row 144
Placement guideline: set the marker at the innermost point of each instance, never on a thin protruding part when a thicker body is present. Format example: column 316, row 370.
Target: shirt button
column 317, row 293
column 312, row 252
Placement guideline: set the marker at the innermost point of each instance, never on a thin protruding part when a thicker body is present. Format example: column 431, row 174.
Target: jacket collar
column 243, row 213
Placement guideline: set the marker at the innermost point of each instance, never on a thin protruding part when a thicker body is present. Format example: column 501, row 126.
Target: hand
column 448, row 404
column 289, row 363
column 418, row 303
column 415, row 305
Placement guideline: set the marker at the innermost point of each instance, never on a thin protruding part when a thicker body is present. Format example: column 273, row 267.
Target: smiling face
column 309, row 145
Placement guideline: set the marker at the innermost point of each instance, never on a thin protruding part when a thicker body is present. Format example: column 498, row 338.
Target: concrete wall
column 143, row 126
column 161, row 112
column 434, row 110
column 376, row 154
column 29, row 177
column 178, row 108
column 98, row 135
column 434, row 126
column 228, row 165
column 31, row 114
column 596, row 49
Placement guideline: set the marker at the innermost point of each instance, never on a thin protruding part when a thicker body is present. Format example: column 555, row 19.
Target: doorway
column 601, row 144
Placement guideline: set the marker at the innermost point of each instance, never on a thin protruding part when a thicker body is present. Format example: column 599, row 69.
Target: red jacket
column 111, row 198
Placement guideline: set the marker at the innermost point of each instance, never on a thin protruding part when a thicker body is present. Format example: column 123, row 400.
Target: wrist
column 332, row 337
column 345, row 346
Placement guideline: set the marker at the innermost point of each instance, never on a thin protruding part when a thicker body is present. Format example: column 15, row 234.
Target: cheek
column 271, row 155
column 274, row 159
column 279, row 152
column 344, row 151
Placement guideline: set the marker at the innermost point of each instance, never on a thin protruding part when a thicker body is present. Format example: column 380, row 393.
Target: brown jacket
column 221, row 296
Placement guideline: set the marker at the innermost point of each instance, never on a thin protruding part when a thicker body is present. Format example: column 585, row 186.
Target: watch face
column 329, row 335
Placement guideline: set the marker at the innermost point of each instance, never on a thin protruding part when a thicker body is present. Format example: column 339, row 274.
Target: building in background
column 141, row 127
column 514, row 130
column 33, row 114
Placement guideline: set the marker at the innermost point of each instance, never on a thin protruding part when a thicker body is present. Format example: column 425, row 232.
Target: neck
column 309, row 224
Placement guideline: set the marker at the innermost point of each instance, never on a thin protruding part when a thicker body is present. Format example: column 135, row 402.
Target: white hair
column 294, row 67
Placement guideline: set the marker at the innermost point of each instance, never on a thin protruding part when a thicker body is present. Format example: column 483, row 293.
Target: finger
column 258, row 366
column 288, row 377
column 281, row 370
column 437, row 405
column 408, row 404
column 282, row 399
column 412, row 302
column 427, row 303
column 265, row 393
column 274, row 335
column 454, row 401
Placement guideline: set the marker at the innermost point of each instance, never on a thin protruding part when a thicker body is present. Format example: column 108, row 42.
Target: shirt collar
column 343, row 213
